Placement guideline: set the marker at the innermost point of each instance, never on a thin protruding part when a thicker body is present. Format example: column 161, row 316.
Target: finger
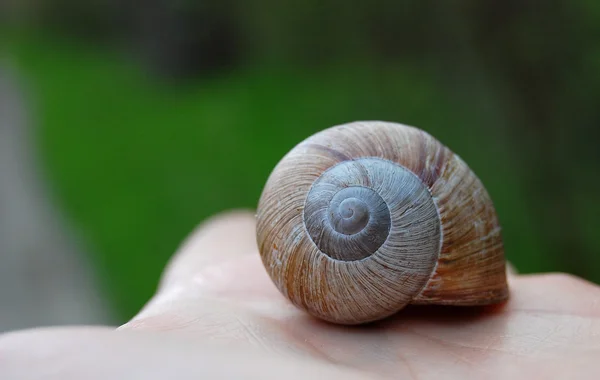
column 511, row 270
column 217, row 274
column 555, row 292
column 220, row 238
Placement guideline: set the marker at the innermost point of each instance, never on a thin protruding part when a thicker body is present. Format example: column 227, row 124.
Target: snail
column 361, row 219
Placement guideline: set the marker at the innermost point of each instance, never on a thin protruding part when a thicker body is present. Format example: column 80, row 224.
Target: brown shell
column 467, row 268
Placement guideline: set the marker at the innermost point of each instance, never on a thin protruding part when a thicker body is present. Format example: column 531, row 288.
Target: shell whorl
column 370, row 206
column 361, row 219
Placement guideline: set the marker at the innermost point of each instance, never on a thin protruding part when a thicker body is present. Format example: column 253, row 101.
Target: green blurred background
column 151, row 117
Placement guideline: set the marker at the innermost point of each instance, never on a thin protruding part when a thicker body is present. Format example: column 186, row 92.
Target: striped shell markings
column 361, row 219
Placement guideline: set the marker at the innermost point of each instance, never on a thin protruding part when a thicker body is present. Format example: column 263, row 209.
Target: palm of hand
column 218, row 315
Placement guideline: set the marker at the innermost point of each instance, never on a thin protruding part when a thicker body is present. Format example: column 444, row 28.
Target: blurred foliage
column 138, row 160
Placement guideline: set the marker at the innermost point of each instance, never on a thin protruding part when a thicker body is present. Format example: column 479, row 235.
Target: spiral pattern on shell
column 361, row 219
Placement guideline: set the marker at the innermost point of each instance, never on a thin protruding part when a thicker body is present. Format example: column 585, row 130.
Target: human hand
column 218, row 315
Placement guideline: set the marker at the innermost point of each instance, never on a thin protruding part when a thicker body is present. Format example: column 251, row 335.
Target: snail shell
column 361, row 219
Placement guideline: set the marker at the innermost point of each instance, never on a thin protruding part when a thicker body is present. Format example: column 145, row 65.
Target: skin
column 217, row 315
